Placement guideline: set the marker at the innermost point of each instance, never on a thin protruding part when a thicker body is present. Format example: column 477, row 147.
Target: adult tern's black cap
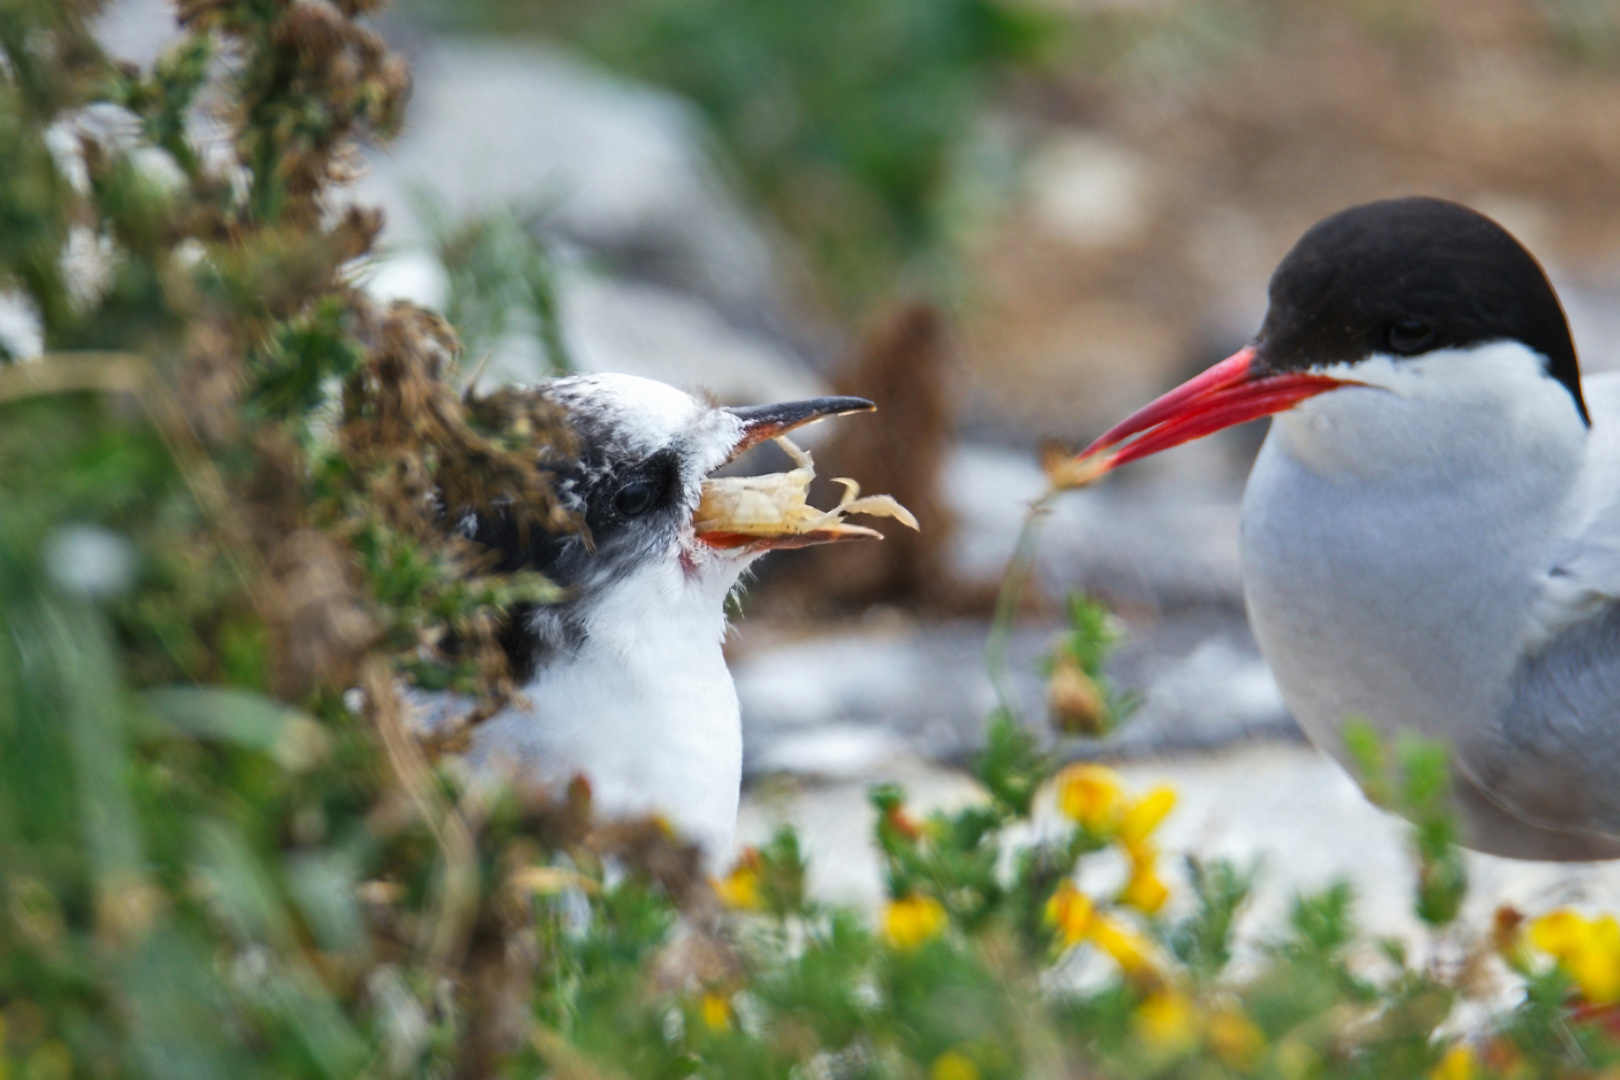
column 1404, row 277
column 1400, row 278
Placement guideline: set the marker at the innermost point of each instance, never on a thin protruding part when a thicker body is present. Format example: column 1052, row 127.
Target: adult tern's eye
column 1408, row 336
column 635, row 498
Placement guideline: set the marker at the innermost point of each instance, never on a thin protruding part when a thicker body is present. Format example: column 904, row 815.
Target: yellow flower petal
column 953, row 1065
column 1559, row 933
column 1597, row 968
column 51, row 1061
column 914, row 920
column 1234, row 1038
column 1145, row 891
column 1587, row 949
column 1130, row 950
column 1070, row 911
column 1459, row 1063
column 739, row 889
column 1167, row 1022
column 1146, row 813
column 1093, row 796
column 716, row 1012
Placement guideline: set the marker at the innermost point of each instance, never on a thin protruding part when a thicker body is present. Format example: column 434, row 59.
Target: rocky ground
column 1152, row 211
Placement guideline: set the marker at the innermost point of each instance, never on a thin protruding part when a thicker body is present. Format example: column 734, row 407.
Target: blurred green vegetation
column 502, row 280
column 858, row 125
column 881, row 135
column 852, row 120
column 222, row 852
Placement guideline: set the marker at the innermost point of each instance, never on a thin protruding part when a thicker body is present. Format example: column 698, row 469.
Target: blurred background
column 1007, row 221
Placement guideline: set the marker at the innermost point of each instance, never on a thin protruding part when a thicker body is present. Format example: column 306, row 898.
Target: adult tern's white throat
column 625, row 679
column 1431, row 533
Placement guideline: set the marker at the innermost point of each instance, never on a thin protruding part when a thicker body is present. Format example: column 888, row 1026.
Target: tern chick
column 624, row 680
column 1431, row 533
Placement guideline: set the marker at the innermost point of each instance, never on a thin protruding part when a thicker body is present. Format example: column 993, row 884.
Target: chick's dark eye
column 635, row 498
column 1408, row 336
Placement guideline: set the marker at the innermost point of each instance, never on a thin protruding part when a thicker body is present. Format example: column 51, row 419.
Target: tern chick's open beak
column 1237, row 389
column 772, row 511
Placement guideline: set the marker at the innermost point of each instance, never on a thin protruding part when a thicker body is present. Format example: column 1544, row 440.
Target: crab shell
column 774, row 510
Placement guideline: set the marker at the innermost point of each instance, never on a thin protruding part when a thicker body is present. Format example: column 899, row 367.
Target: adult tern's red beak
column 1234, row 390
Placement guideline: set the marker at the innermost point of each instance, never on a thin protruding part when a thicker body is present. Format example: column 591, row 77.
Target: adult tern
column 1431, row 531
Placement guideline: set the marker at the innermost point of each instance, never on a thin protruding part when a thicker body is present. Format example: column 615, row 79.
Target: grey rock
column 623, row 172
column 137, row 30
column 623, row 326
column 640, row 329
column 1203, row 685
column 621, row 167
column 1163, row 541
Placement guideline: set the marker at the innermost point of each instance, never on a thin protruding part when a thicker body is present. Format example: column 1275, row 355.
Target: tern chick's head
column 641, row 486
column 1361, row 300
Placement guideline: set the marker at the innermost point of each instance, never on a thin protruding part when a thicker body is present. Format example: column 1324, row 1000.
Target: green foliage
column 498, row 269
column 1011, row 765
column 851, row 120
column 222, row 853
column 1081, row 699
column 1203, row 942
column 1418, row 787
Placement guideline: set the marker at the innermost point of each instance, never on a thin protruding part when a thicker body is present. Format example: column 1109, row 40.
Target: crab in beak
column 771, row 512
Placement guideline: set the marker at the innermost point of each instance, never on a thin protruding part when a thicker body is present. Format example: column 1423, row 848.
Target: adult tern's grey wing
column 1558, row 763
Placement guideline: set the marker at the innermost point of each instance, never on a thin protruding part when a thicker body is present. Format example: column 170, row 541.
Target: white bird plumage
column 645, row 708
column 624, row 681
column 1399, row 539
column 1431, row 531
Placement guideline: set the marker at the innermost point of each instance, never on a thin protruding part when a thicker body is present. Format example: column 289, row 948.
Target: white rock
column 833, row 751
column 1160, row 540
column 619, row 166
column 137, row 30
column 647, row 330
column 410, row 274
column 1090, row 190
column 89, row 560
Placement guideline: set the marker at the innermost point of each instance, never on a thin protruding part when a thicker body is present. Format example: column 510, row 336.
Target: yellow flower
column 1071, row 911
column 1165, row 1020
column 1129, row 949
column 1146, row 813
column 1077, row 919
column 1093, row 796
column 953, row 1065
column 715, row 1009
column 740, row 888
column 1234, row 1038
column 913, row 920
column 1459, row 1063
column 1145, row 891
column 1587, row 949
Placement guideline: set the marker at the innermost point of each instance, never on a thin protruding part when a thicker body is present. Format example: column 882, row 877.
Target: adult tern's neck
column 1392, row 534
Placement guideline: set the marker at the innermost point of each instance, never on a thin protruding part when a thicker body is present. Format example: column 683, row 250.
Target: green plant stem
column 1013, row 582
